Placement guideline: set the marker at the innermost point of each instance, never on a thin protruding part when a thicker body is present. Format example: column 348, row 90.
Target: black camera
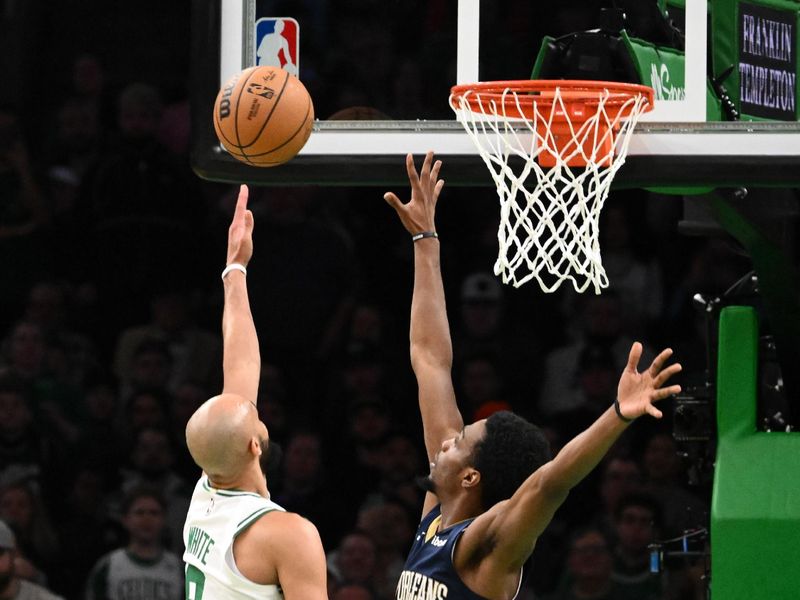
column 694, row 419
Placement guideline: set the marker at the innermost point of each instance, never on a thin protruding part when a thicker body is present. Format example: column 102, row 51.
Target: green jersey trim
column 252, row 518
column 231, row 492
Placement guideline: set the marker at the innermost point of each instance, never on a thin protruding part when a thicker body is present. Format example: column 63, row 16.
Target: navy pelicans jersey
column 214, row 520
column 429, row 573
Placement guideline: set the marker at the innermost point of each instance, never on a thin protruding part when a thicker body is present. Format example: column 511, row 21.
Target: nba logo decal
column 278, row 43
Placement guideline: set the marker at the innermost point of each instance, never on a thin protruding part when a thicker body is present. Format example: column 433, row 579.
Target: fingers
column 659, row 361
column 426, row 165
column 438, row 188
column 248, row 220
column 653, row 411
column 664, row 375
column 434, row 178
column 436, row 168
column 413, row 178
column 392, row 200
column 241, row 203
column 666, row 392
column 634, row 356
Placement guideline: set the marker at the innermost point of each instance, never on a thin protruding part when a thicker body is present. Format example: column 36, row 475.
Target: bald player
column 240, row 544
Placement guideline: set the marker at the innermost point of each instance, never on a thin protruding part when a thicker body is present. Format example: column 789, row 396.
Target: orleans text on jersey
column 429, row 573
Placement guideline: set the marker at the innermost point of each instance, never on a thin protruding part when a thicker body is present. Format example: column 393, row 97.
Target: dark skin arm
column 510, row 528
column 431, row 347
column 498, row 542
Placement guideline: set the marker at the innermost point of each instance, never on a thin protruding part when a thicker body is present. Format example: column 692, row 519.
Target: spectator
column 589, row 564
column 398, row 465
column 638, row 521
column 100, row 435
column 313, row 261
column 22, row 213
column 76, row 139
column 391, row 526
column 151, row 464
column 23, row 449
column 368, row 425
column 146, row 408
column 637, row 282
column 143, row 568
column 353, row 591
column 194, row 354
column 150, row 368
column 603, row 335
column 85, row 528
column 480, row 386
column 306, row 489
column 187, row 399
column 482, row 330
column 273, row 397
column 664, row 479
column 89, row 86
column 620, row 476
column 49, row 308
column 142, row 207
column 11, row 584
column 355, row 559
column 25, row 352
column 40, row 365
column 21, row 507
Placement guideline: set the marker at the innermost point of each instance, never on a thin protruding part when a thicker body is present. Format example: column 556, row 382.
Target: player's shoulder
column 278, row 528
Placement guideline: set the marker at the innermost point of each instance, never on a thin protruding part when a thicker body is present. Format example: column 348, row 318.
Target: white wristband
column 233, row 267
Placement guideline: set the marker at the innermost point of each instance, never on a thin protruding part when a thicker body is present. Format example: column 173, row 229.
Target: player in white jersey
column 239, row 544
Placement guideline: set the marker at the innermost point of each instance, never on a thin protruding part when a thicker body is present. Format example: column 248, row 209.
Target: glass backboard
column 380, row 73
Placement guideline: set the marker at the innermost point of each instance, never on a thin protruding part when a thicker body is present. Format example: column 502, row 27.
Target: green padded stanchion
column 755, row 513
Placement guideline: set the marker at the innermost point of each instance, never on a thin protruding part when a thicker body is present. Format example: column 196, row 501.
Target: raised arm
column 241, row 360
column 516, row 523
column 431, row 348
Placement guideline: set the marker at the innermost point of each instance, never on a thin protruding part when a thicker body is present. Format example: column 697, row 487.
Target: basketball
column 263, row 116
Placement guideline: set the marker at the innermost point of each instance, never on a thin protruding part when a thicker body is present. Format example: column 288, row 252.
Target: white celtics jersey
column 120, row 575
column 214, row 520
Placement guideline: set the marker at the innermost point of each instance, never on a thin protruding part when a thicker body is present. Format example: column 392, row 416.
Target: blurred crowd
column 111, row 250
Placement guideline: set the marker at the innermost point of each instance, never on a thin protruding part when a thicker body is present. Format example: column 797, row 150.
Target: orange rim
column 575, row 94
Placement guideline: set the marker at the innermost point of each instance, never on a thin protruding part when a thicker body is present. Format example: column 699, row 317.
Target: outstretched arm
column 431, row 349
column 241, row 360
column 516, row 523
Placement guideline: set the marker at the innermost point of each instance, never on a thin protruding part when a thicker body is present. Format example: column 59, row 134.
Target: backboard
column 400, row 60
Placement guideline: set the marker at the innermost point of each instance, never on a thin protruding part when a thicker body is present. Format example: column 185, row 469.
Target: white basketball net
column 549, row 216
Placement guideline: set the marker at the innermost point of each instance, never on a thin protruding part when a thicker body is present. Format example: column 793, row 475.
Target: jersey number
column 195, row 581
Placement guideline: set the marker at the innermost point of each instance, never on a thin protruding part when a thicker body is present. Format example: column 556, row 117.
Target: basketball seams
column 290, row 138
column 289, row 93
column 269, row 115
column 220, row 130
column 239, row 106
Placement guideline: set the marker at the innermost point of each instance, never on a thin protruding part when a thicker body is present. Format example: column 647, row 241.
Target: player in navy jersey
column 492, row 487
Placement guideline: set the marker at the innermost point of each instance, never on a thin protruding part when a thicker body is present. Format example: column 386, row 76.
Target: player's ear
column 470, row 477
column 255, row 446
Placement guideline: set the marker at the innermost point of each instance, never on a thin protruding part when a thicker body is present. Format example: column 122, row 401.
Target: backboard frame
column 662, row 153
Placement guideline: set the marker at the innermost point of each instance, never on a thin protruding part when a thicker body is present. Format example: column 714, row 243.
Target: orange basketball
column 263, row 116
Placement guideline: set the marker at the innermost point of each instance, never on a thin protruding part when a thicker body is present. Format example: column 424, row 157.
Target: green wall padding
column 755, row 513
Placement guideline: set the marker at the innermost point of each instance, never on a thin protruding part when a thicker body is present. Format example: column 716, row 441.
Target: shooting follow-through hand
column 418, row 214
column 240, row 233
